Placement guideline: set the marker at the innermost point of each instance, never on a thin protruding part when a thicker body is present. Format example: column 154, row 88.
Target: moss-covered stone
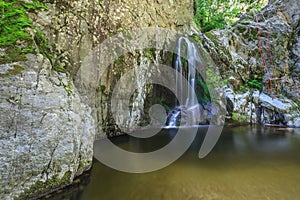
column 43, row 45
column 15, row 37
column 12, row 54
column 40, row 188
column 238, row 117
column 17, row 69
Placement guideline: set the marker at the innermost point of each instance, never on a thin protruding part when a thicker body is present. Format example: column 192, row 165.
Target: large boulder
column 46, row 132
column 48, row 123
column 258, row 107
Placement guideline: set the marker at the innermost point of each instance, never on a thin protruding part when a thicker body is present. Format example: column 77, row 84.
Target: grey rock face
column 259, row 107
column 46, row 133
column 77, row 27
column 237, row 52
column 237, row 49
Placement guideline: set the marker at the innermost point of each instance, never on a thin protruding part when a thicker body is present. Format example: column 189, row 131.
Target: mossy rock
column 16, row 69
column 239, row 117
column 41, row 188
column 15, row 26
column 12, row 54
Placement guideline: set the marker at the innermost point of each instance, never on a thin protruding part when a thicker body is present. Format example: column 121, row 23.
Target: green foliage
column 238, row 117
column 235, row 117
column 242, row 87
column 34, row 6
column 13, row 23
column 60, row 68
column 216, row 14
column 256, row 82
column 43, row 44
column 14, row 20
column 203, row 92
column 149, row 53
column 196, row 38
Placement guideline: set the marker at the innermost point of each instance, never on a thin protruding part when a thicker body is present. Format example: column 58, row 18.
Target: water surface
column 246, row 163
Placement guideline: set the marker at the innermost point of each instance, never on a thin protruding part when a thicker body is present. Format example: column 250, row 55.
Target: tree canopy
column 216, row 14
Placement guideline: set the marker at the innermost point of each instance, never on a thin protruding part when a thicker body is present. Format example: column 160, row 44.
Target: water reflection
column 246, row 163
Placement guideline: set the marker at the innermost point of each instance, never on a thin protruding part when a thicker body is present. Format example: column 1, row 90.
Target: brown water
column 246, row 163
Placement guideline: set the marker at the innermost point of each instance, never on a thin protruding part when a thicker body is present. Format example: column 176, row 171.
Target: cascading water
column 189, row 73
column 186, row 68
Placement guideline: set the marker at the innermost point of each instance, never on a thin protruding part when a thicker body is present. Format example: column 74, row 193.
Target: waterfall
column 186, row 96
column 188, row 74
column 174, row 119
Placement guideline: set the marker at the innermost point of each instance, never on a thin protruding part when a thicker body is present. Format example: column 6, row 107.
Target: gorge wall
column 48, row 119
column 79, row 28
column 258, row 58
column 51, row 113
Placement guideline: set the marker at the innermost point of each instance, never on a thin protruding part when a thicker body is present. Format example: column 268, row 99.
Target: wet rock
column 297, row 122
column 243, row 109
column 200, row 114
column 296, row 71
column 77, row 27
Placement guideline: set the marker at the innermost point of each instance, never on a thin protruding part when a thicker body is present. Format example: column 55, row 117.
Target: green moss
column 15, row 39
column 238, row 117
column 41, row 188
column 202, row 93
column 196, row 38
column 212, row 80
column 43, row 44
column 12, row 54
column 149, row 53
column 256, row 82
column 17, row 69
column 13, row 23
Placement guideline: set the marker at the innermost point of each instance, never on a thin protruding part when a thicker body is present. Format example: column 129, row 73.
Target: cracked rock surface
column 46, row 132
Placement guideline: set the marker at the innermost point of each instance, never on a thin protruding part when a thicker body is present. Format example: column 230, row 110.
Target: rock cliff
column 258, row 58
column 48, row 120
column 50, row 114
